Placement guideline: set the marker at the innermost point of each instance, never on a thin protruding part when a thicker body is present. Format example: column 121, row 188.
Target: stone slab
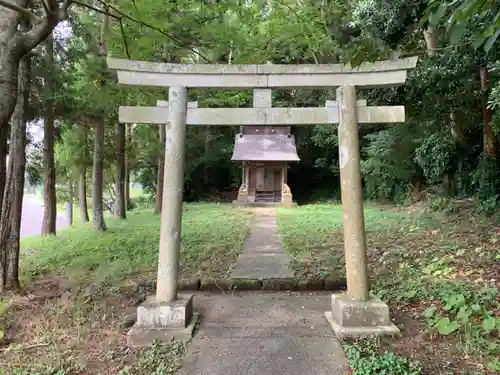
column 351, row 313
column 378, row 74
column 161, row 314
column 263, row 255
column 257, row 333
column 366, row 331
column 261, row 116
column 164, row 103
column 263, row 314
column 366, row 67
column 349, row 317
column 261, row 266
column 143, row 337
column 265, row 356
column 264, row 204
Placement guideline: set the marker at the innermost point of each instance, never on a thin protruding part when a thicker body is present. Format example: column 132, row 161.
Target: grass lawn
column 440, row 274
column 82, row 288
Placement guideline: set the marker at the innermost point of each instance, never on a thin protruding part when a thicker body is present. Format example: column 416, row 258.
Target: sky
column 62, row 33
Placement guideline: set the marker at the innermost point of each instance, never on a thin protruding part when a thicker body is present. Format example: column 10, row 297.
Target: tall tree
column 49, row 179
column 98, row 165
column 162, row 136
column 490, row 140
column 161, row 170
column 10, row 218
column 128, row 135
column 120, row 202
column 3, row 163
column 82, row 193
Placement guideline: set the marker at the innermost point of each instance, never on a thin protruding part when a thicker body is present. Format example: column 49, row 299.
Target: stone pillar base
column 287, row 199
column 242, row 198
column 242, row 194
column 286, row 195
column 162, row 322
column 351, row 318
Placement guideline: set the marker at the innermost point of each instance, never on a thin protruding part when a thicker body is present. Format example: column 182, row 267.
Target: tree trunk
column 490, row 142
column 161, row 170
column 167, row 58
column 8, row 91
column 128, row 203
column 49, row 180
column 69, row 204
column 120, row 204
column 82, row 194
column 430, row 41
column 98, row 167
column 98, row 178
column 206, row 170
column 15, row 42
column 3, row 165
column 10, row 218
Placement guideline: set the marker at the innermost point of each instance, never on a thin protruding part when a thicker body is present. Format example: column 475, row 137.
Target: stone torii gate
column 170, row 314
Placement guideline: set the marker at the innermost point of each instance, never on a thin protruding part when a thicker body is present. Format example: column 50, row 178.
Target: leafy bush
column 365, row 360
column 435, row 156
column 388, row 166
column 486, row 179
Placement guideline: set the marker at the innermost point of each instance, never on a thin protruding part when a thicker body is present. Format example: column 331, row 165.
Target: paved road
column 31, row 220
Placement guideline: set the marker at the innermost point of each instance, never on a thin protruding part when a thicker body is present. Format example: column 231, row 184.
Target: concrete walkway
column 264, row 334
column 263, row 253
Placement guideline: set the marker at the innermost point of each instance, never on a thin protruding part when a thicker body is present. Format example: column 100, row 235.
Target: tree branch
column 17, row 8
column 45, row 7
column 38, row 33
column 179, row 42
column 88, row 6
column 125, row 44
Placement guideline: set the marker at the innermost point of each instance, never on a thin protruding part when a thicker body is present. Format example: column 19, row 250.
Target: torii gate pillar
column 355, row 313
column 169, row 314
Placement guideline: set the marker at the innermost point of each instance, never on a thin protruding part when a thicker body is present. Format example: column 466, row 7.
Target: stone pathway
column 263, row 254
column 264, row 334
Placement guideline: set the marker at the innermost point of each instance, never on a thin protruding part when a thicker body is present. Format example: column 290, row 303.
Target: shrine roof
column 275, row 147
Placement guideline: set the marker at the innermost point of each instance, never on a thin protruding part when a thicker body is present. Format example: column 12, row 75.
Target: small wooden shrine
column 265, row 153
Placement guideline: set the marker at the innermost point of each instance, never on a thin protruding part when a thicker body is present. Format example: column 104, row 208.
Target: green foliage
column 386, row 175
column 209, row 232
column 461, row 15
column 434, row 156
column 397, row 159
column 460, row 308
column 309, row 231
column 418, row 260
column 487, row 181
column 364, row 359
column 387, row 21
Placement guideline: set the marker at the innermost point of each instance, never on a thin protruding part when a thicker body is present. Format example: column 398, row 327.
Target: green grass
column 313, row 235
column 212, row 237
column 438, row 271
column 83, row 287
